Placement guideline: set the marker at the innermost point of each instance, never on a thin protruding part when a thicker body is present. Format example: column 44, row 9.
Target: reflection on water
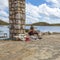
column 46, row 28
column 5, row 29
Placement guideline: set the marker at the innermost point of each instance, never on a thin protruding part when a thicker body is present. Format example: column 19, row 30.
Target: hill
column 34, row 24
column 3, row 23
column 41, row 24
column 55, row 24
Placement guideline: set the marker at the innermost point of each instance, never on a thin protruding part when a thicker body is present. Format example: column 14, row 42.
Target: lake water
column 5, row 29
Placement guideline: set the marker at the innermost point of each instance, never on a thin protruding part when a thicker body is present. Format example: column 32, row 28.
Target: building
column 16, row 17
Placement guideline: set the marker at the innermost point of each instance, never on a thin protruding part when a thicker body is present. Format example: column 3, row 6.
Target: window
column 12, row 8
column 16, row 5
column 18, row 8
column 15, row 2
column 18, row 15
column 22, row 21
column 23, row 10
column 10, row 21
column 12, row 5
column 13, row 16
column 17, row 26
column 18, row 22
column 10, row 12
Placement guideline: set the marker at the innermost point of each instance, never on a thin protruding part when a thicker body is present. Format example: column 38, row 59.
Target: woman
column 32, row 31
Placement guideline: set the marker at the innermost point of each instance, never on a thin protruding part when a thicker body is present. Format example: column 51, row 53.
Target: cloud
column 3, row 13
column 45, row 12
column 32, row 13
column 3, row 4
column 42, row 13
column 54, row 3
column 54, row 12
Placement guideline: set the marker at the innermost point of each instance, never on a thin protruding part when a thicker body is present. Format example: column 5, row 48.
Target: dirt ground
column 47, row 48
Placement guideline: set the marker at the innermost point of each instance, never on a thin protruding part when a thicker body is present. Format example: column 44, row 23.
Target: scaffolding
column 16, row 17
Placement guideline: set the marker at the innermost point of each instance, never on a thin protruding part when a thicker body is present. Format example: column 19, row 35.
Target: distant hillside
column 3, row 23
column 41, row 24
column 34, row 24
column 54, row 24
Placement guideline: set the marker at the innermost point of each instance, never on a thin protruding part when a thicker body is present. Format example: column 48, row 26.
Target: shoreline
column 47, row 48
column 40, row 34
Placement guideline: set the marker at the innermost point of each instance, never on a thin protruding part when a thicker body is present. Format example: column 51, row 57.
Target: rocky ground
column 47, row 48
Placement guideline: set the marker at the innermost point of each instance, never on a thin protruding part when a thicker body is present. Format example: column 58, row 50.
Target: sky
column 36, row 11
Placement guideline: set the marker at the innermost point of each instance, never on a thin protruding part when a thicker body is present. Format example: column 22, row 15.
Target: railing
column 3, row 35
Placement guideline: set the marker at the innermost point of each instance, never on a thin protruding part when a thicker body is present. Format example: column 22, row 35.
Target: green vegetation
column 26, row 30
column 54, row 24
column 34, row 24
column 42, row 24
column 3, row 23
column 28, row 24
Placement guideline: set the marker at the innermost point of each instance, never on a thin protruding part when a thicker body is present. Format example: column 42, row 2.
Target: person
column 33, row 32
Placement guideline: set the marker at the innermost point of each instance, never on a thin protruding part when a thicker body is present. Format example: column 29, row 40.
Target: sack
column 22, row 36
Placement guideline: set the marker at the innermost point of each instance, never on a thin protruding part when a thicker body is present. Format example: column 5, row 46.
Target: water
column 46, row 28
column 5, row 29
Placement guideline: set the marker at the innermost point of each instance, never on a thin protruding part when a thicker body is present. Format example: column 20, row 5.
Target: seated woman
column 32, row 31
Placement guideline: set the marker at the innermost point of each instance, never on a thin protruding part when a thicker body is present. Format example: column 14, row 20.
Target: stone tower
column 16, row 17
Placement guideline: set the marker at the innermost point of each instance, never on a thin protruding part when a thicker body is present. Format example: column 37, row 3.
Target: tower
column 16, row 17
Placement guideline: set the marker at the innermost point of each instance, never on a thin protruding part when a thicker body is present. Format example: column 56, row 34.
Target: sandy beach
column 47, row 48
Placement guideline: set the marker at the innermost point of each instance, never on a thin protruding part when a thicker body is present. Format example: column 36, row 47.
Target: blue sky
column 36, row 11
column 36, row 2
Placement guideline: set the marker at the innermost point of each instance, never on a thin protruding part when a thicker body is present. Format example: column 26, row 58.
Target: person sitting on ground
column 32, row 32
